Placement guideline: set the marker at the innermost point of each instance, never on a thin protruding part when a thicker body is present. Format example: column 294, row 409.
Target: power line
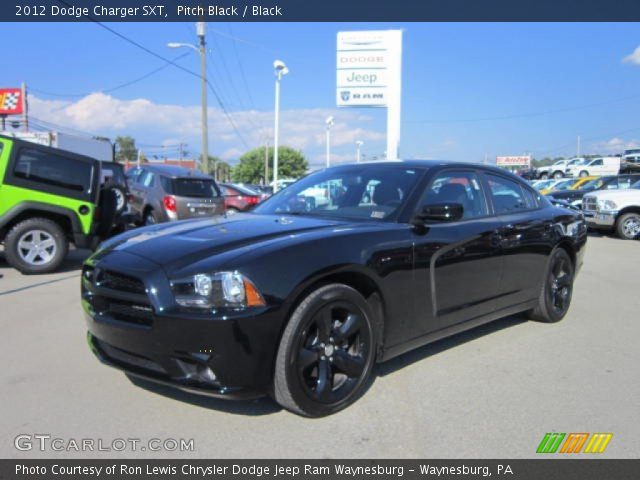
column 111, row 89
column 241, row 68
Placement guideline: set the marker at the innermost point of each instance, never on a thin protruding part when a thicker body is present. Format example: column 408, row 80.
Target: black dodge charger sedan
column 347, row 267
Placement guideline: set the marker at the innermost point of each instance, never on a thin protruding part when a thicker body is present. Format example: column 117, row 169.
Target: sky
column 469, row 90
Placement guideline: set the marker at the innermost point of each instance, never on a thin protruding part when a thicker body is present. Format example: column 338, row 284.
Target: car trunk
column 197, row 197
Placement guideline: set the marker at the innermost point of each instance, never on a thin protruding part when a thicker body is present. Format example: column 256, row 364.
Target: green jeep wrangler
column 48, row 199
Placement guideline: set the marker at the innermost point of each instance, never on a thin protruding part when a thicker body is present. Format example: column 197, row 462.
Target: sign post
column 369, row 74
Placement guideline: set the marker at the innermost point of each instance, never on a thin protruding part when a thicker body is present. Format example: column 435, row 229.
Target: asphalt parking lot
column 489, row 393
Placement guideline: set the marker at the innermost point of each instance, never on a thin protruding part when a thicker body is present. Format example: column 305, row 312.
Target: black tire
column 558, row 175
column 314, row 378
column 150, row 218
column 557, row 288
column 232, row 211
column 583, row 174
column 628, row 226
column 544, row 176
column 48, row 240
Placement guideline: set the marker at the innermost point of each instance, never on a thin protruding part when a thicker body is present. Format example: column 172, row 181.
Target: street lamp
column 201, row 49
column 280, row 70
column 359, row 143
column 330, row 123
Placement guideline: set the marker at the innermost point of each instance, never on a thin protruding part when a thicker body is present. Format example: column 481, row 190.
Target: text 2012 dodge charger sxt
column 347, row 267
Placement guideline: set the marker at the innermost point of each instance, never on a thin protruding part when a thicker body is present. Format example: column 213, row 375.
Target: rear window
column 194, row 187
column 57, row 171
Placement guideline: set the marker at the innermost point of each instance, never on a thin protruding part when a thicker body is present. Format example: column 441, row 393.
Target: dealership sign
column 368, row 68
column 521, row 161
column 369, row 74
column 11, row 101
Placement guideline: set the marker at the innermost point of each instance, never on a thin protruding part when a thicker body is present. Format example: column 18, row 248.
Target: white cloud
column 614, row 145
column 152, row 123
column 634, row 57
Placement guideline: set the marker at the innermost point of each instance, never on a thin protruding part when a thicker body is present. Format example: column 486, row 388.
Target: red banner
column 11, row 101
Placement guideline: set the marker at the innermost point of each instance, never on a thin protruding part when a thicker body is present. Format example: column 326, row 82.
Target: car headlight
column 607, row 205
column 222, row 289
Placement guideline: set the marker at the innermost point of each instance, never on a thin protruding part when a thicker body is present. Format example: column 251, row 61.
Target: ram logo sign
column 574, row 443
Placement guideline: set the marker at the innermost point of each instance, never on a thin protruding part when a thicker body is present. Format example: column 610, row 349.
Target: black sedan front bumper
column 134, row 325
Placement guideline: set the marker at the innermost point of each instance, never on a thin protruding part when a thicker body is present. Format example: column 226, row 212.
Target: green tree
column 223, row 171
column 126, row 149
column 291, row 164
column 212, row 165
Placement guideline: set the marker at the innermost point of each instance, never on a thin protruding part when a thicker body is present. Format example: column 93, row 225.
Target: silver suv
column 162, row 193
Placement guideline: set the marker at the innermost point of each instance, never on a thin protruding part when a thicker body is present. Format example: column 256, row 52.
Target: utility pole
column 578, row 147
column 266, row 162
column 201, row 28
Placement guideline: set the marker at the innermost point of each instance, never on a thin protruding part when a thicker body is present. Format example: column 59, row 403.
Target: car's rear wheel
column 584, row 173
column 326, row 353
column 232, row 211
column 544, row 176
column 558, row 175
column 150, row 218
column 36, row 245
column 628, row 226
column 557, row 289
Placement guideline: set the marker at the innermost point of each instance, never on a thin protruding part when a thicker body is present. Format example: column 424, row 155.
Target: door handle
column 496, row 238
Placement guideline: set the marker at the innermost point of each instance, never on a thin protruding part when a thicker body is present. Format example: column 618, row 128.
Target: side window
column 597, row 163
column 530, row 199
column 133, row 174
column 507, row 195
column 166, row 184
column 624, row 182
column 146, row 179
column 457, row 187
column 41, row 170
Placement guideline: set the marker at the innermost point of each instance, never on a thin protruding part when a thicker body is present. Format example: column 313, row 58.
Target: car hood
column 569, row 194
column 192, row 240
column 616, row 194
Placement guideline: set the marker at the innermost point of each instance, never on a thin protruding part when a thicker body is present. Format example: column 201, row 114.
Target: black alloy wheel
column 326, row 353
column 555, row 297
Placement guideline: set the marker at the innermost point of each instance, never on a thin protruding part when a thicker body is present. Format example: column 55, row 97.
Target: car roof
column 415, row 163
column 174, row 171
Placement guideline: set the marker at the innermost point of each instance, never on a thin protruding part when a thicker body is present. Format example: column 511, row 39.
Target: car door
column 457, row 264
column 525, row 239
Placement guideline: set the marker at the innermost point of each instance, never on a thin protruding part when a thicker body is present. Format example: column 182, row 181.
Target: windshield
column 358, row 192
column 544, row 184
column 194, row 187
column 565, row 184
column 578, row 161
column 636, row 185
column 593, row 184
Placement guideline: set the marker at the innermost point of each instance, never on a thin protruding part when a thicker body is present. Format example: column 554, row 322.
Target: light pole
column 281, row 70
column 359, row 143
column 330, row 123
column 201, row 49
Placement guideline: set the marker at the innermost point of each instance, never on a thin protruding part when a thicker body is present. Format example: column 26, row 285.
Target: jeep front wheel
column 36, row 245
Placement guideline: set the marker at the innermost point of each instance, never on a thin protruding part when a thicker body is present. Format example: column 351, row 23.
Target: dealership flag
column 11, row 101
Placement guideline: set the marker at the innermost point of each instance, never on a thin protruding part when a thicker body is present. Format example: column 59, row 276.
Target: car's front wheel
column 544, row 176
column 628, row 226
column 558, row 175
column 326, row 353
column 584, row 173
column 556, row 290
column 36, row 245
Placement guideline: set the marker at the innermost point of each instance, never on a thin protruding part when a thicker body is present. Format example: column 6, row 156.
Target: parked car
column 163, row 193
column 557, row 170
column 611, row 182
column 238, row 198
column 301, row 301
column 630, row 161
column 551, row 186
column 50, row 198
column 615, row 210
column 580, row 181
column 597, row 166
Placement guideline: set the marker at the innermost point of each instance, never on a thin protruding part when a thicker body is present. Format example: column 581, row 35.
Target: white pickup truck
column 617, row 210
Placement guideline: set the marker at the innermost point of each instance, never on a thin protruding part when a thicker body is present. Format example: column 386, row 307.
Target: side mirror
column 441, row 212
